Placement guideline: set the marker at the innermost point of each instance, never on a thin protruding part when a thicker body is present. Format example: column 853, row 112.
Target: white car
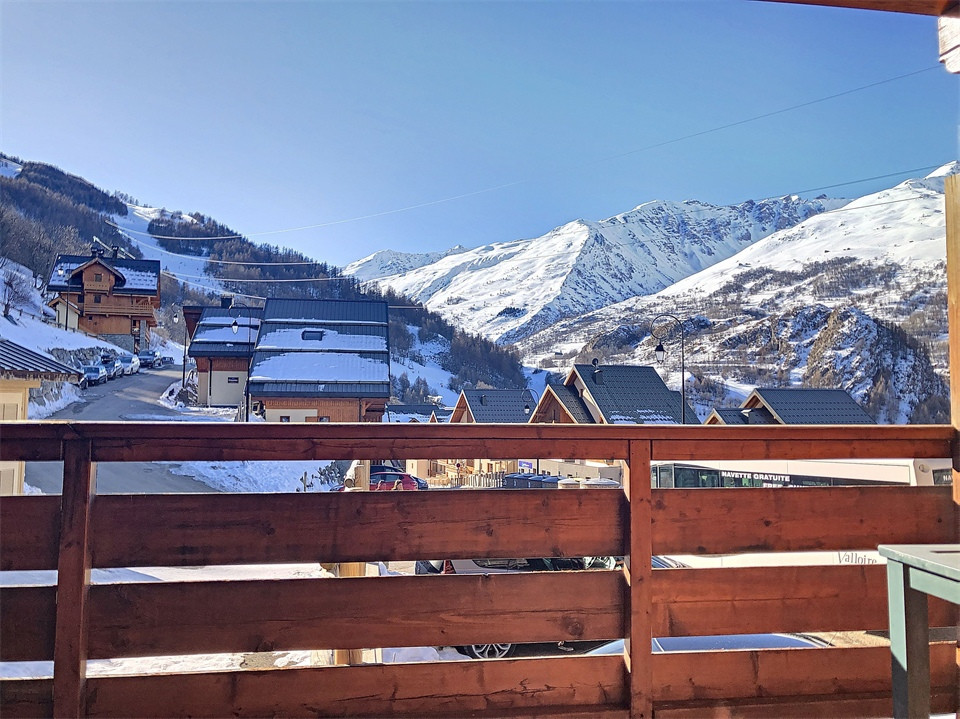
column 131, row 364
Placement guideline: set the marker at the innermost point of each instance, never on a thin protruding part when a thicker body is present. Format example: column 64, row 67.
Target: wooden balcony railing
column 75, row 621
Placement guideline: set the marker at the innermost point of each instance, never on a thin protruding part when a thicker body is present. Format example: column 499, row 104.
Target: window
column 98, row 277
column 315, row 335
column 323, row 419
column 284, row 418
column 96, row 299
column 233, row 380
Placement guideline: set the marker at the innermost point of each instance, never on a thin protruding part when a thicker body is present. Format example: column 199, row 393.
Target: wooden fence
column 75, row 621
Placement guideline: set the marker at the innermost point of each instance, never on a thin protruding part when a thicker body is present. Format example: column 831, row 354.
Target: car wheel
column 488, row 651
column 426, row 567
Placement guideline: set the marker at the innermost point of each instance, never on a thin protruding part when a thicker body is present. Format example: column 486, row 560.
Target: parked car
column 502, row 566
column 94, row 373
column 131, row 364
column 112, row 365
column 719, row 641
column 389, row 481
column 148, row 358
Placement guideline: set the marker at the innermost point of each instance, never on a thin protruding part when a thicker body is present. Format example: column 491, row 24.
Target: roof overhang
column 914, row 7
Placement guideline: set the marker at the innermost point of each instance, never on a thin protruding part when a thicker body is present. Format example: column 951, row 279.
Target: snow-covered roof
column 133, row 276
column 331, row 348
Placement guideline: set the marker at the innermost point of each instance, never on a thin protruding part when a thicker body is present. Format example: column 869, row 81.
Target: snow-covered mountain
column 509, row 290
column 852, row 298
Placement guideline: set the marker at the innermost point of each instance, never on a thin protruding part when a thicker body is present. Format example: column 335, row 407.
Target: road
column 131, row 398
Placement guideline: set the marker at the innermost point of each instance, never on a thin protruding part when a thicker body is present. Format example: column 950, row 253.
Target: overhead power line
column 501, row 186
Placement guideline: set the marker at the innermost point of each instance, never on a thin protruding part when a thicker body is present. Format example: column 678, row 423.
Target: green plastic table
column 914, row 572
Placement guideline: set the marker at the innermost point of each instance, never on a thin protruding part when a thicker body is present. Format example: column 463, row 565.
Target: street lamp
column 661, row 354
column 534, row 397
column 183, row 373
column 235, row 326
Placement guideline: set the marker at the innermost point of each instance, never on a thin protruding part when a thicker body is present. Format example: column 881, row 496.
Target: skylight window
column 312, row 335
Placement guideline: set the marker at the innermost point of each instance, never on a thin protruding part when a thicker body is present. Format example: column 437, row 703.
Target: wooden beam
column 759, row 600
column 916, row 7
column 952, row 212
column 73, row 581
column 560, row 688
column 638, row 573
column 29, row 532
column 948, row 28
column 152, row 619
column 160, row 530
column 698, row 521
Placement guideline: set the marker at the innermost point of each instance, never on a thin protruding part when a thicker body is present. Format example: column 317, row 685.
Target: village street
column 130, row 398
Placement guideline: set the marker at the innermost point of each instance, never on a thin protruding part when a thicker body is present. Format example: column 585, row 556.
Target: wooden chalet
column 321, row 361
column 112, row 297
column 67, row 620
column 222, row 354
column 793, row 405
column 22, row 369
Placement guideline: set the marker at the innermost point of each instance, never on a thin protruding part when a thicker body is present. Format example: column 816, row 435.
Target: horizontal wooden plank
column 160, row 530
column 29, row 532
column 697, row 521
column 198, row 617
column 27, row 622
column 220, row 441
column 538, row 687
column 747, row 600
column 730, row 675
column 26, row 698
column 834, row 706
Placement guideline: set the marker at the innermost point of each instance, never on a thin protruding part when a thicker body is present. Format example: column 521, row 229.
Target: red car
column 389, row 481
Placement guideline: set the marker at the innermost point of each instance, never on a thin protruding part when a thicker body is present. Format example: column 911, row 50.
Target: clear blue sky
column 277, row 115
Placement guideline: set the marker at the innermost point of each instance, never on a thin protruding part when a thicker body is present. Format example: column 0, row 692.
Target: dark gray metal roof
column 633, row 394
column 422, row 410
column 757, row 415
column 572, row 402
column 134, row 276
column 18, row 362
column 499, row 405
column 803, row 405
column 213, row 336
column 326, row 310
column 260, row 388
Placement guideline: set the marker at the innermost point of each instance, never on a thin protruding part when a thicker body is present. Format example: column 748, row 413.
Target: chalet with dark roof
column 794, row 405
column 612, row 394
column 109, row 296
column 22, row 369
column 493, row 406
column 321, row 361
column 222, row 354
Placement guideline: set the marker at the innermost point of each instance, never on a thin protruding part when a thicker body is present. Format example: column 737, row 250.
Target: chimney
column 226, row 301
column 483, row 399
column 116, row 251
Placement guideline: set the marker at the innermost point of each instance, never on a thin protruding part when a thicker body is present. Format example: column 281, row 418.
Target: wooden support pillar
column 952, row 209
column 638, row 571
column 73, row 581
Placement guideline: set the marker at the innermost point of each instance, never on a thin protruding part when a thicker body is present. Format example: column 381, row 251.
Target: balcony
column 170, row 618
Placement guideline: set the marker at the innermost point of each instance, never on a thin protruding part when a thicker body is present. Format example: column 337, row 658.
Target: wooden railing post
column 73, row 580
column 952, row 218
column 636, row 485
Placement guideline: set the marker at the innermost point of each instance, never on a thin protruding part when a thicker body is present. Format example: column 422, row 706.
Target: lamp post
column 246, row 385
column 183, row 372
column 661, row 354
column 527, row 410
